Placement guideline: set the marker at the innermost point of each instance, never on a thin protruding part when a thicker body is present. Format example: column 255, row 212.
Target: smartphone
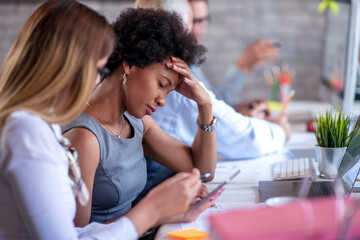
column 213, row 192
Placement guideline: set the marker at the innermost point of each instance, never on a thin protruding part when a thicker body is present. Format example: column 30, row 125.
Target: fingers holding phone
column 174, row 195
column 194, row 210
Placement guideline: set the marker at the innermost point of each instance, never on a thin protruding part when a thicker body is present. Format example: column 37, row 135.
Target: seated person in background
column 238, row 137
column 228, row 88
column 151, row 57
column 45, row 80
column 254, row 108
column 181, row 7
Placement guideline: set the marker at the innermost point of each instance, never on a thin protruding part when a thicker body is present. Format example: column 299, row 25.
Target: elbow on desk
column 209, row 178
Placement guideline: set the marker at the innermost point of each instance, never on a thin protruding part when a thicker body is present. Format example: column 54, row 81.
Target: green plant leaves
column 322, row 6
column 332, row 130
column 334, row 7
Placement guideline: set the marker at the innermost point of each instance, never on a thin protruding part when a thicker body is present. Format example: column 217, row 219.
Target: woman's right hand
column 193, row 211
column 171, row 197
column 174, row 195
column 189, row 86
column 192, row 89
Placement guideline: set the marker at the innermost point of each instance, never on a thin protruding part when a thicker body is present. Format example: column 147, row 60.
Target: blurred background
column 234, row 24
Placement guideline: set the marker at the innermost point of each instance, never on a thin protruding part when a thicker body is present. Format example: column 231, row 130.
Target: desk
column 243, row 190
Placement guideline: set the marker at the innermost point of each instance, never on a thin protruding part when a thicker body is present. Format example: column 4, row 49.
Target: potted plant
column 332, row 131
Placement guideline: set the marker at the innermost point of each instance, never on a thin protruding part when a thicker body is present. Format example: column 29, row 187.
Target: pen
column 206, row 175
column 291, row 95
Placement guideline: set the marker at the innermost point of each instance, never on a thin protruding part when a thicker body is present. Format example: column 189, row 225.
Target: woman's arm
column 34, row 168
column 171, row 152
column 87, row 146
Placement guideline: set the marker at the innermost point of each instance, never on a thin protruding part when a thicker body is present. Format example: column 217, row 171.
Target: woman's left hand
column 188, row 85
column 203, row 192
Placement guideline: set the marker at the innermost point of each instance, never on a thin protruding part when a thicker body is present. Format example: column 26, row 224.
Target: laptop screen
column 350, row 165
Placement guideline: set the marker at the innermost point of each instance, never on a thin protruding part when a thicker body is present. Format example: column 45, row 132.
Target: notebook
column 346, row 177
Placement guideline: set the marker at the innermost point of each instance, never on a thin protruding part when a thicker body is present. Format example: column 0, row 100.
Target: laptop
column 347, row 175
column 308, row 152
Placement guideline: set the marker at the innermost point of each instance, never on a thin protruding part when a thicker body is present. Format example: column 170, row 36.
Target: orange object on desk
column 188, row 234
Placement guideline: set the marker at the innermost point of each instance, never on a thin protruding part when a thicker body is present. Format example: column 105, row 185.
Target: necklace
column 107, row 126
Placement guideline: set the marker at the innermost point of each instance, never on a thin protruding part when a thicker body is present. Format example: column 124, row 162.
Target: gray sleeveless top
column 121, row 174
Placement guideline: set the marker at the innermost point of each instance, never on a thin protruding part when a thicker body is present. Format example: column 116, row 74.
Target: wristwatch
column 208, row 128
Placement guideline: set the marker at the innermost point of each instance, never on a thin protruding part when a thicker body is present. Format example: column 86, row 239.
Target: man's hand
column 257, row 52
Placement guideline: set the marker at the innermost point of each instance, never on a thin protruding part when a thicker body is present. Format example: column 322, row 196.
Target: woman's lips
column 150, row 110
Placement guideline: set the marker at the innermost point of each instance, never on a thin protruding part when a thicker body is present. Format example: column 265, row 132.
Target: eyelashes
column 161, row 85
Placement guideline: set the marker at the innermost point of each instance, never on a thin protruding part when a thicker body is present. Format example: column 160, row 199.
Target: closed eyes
column 161, row 85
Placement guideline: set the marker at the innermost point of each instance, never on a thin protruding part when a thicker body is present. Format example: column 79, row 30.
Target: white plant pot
column 329, row 160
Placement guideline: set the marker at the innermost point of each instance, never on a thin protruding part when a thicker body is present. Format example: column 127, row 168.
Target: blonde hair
column 51, row 67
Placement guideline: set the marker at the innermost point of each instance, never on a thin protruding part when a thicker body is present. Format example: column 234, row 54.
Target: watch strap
column 208, row 128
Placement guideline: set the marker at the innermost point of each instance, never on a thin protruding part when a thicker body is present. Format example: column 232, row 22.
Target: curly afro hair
column 147, row 36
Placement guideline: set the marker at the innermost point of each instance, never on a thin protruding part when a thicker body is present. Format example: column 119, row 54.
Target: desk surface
column 243, row 190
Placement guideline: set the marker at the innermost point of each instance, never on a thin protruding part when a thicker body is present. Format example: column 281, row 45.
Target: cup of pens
column 279, row 80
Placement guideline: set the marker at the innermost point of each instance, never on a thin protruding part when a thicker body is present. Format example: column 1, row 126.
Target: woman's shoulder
column 83, row 129
column 83, row 120
column 28, row 134
column 23, row 121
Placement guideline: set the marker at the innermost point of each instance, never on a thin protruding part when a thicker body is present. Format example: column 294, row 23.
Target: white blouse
column 36, row 197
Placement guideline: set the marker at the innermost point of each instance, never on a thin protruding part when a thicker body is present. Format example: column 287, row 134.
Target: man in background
column 231, row 84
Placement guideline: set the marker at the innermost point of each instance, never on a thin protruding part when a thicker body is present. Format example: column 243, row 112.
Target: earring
column 124, row 79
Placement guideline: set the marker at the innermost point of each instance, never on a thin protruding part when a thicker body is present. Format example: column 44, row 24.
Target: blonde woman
column 45, row 81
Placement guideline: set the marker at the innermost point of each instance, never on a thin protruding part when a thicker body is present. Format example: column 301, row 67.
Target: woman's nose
column 161, row 100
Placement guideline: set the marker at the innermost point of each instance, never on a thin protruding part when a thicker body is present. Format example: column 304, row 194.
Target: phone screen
column 213, row 192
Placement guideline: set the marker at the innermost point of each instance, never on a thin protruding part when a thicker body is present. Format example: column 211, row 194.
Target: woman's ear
column 127, row 67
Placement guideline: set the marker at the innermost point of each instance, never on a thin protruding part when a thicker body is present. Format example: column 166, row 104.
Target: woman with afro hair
column 152, row 53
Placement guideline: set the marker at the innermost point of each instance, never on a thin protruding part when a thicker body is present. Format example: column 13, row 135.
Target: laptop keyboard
column 293, row 169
